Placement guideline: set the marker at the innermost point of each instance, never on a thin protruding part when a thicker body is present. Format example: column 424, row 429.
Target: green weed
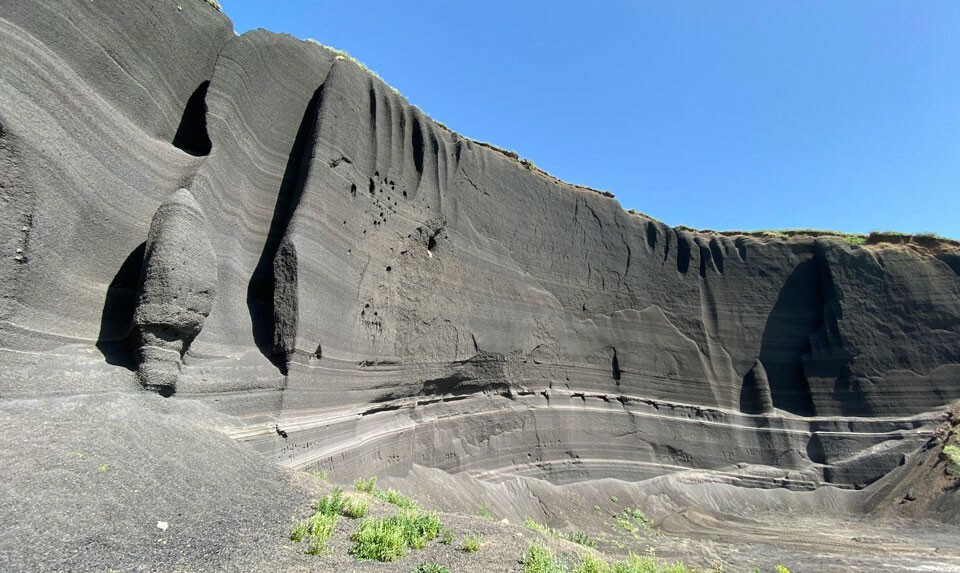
column 539, row 559
column 390, row 538
column 354, row 507
column 591, row 563
column 366, row 486
column 396, row 498
column 321, row 528
column 471, row 544
column 299, row 531
column 484, row 511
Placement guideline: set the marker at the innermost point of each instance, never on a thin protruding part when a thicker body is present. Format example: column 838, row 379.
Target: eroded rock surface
column 391, row 295
column 177, row 289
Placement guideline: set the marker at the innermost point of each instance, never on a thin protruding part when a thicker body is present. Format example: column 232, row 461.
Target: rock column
column 177, row 288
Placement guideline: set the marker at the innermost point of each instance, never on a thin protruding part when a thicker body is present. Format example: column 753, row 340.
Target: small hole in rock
column 388, row 269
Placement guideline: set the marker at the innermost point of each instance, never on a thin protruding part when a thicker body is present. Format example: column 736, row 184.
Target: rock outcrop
column 391, row 294
column 177, row 289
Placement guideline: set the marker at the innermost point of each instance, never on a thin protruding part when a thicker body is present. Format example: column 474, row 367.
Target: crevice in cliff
column 191, row 135
column 717, row 253
column 615, row 366
column 262, row 288
column 683, row 254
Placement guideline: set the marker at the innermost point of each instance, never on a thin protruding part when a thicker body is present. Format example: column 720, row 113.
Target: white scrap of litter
column 162, row 525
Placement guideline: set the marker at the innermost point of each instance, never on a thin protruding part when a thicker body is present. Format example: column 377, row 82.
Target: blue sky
column 767, row 114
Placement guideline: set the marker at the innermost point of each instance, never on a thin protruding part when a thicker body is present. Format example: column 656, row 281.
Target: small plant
column 330, row 504
column 396, row 498
column 104, row 467
column 430, row 568
column 596, row 508
column 614, row 499
column 782, row 569
column 648, row 564
column 380, row 539
column 299, row 531
column 471, row 544
column 366, row 486
column 321, row 528
column 953, row 453
column 536, row 526
column 576, row 536
column 354, row 507
column 855, row 240
column 484, row 511
column 322, row 474
column 582, row 538
column 539, row 559
column 591, row 563
column 390, row 538
column 447, row 538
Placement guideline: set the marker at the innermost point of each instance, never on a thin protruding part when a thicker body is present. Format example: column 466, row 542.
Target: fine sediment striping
column 393, row 295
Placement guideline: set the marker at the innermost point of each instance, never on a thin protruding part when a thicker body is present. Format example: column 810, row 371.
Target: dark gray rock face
column 177, row 289
column 394, row 295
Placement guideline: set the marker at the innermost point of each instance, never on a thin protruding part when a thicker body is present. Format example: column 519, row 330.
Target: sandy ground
column 86, row 479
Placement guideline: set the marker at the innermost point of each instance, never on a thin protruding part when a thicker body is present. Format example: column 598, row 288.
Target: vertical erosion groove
column 261, row 290
column 683, row 254
column 615, row 366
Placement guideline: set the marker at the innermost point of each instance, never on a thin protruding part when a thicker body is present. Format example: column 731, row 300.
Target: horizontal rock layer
column 390, row 293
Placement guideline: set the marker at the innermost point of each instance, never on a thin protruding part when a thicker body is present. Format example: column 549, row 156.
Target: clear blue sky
column 766, row 114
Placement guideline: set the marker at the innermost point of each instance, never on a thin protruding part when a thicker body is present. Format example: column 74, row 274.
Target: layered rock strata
column 392, row 294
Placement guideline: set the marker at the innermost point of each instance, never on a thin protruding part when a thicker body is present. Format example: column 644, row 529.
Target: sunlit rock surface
column 385, row 295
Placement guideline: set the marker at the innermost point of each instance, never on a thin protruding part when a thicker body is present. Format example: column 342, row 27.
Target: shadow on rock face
column 191, row 134
column 262, row 287
column 116, row 320
column 795, row 316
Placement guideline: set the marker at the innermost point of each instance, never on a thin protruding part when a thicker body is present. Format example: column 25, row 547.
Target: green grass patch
column 354, row 507
column 471, row 543
column 322, row 474
column 484, row 511
column 390, row 538
column 330, row 504
column 647, row 564
column 321, row 528
column 952, row 453
column 855, row 240
column 633, row 520
column 592, row 563
column 539, row 559
column 447, row 538
column 366, row 485
column 299, row 531
column 396, row 498
column 576, row 536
